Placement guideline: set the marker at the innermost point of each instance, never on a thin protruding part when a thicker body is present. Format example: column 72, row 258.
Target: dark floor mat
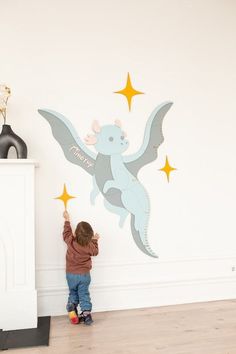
column 31, row 337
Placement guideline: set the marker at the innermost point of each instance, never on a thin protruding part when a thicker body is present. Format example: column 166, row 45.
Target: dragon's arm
column 153, row 138
column 74, row 149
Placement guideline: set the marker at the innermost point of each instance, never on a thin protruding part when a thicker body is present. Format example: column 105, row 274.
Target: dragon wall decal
column 114, row 175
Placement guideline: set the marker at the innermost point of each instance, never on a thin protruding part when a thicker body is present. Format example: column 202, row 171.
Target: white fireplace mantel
column 18, row 296
column 18, row 162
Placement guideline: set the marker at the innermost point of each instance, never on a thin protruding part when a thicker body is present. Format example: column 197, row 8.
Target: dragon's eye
column 122, row 137
column 111, row 138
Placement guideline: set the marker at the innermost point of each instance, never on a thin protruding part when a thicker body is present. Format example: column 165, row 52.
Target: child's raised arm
column 67, row 232
column 94, row 245
column 66, row 215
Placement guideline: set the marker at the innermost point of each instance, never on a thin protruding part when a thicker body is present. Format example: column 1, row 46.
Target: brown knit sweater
column 78, row 258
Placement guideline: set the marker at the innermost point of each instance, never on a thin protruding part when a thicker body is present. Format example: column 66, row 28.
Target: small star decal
column 65, row 197
column 167, row 169
column 129, row 92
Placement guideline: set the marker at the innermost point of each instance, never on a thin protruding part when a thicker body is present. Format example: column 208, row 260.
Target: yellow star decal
column 167, row 169
column 129, row 92
column 65, row 197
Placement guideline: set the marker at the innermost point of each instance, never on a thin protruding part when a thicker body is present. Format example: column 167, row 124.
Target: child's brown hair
column 84, row 233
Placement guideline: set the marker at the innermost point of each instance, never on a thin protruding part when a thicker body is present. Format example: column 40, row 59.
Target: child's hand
column 96, row 236
column 66, row 215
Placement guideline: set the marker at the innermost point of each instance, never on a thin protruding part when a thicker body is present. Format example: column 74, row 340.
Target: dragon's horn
column 96, row 127
column 118, row 123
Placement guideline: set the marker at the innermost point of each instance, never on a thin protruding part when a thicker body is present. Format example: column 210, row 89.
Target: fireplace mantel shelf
column 19, row 162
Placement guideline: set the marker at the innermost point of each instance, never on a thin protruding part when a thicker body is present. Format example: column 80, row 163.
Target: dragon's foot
column 123, row 217
column 123, row 213
column 93, row 196
column 138, row 224
column 108, row 185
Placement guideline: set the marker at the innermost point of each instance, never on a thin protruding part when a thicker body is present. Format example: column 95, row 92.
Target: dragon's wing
column 74, row 149
column 153, row 138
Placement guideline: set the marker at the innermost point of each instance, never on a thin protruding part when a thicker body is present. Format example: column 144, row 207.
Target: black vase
column 8, row 139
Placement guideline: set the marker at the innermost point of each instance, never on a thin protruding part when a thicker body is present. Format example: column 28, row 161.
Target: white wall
column 70, row 56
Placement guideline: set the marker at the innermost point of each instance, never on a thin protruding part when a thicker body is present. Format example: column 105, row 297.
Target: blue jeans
column 79, row 291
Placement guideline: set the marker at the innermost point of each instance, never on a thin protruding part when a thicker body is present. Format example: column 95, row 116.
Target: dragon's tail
column 142, row 245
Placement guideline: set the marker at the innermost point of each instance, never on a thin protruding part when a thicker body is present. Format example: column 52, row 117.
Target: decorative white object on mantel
column 18, row 296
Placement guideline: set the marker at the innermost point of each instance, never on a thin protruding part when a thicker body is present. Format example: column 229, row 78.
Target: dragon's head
column 108, row 139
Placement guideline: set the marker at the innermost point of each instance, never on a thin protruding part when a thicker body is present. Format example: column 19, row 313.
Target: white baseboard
column 52, row 300
column 109, row 295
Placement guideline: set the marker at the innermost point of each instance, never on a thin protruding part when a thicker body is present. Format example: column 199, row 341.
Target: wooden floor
column 205, row 328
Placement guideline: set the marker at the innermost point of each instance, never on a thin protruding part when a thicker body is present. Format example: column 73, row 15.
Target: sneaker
column 74, row 319
column 86, row 318
column 81, row 317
